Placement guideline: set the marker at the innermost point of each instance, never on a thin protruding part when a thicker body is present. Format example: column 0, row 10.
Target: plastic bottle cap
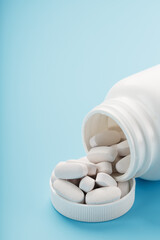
column 94, row 213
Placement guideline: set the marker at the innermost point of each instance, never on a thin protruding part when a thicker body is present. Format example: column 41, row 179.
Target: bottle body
column 134, row 104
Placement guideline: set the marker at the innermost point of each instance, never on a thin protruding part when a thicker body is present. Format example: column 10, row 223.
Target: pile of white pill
column 90, row 179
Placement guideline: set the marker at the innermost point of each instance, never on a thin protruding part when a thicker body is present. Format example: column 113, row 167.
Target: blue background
column 58, row 59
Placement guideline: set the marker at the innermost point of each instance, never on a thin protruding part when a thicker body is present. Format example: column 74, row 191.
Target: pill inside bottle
column 102, row 131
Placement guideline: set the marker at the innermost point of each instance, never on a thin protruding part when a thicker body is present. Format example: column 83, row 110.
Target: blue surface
column 58, row 60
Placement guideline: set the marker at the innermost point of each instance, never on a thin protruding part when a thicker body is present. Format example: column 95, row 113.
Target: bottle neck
column 136, row 124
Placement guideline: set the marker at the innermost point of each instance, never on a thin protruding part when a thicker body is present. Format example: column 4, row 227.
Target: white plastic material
column 134, row 105
column 93, row 213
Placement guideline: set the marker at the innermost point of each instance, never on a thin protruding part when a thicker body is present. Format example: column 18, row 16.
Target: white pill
column 122, row 135
column 87, row 184
column 105, row 138
column 53, row 177
column 92, row 169
column 124, row 187
column 103, row 195
column 105, row 167
column 68, row 191
column 105, row 180
column 112, row 125
column 118, row 158
column 102, row 154
column 83, row 159
column 123, row 148
column 69, row 170
column 123, row 164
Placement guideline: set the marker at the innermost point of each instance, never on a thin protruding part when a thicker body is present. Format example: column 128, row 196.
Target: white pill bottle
column 134, row 104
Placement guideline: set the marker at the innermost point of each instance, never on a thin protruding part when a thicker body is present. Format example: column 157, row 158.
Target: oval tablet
column 115, row 162
column 105, row 167
column 68, row 191
column 92, row 169
column 83, row 159
column 123, row 148
column 102, row 154
column 105, row 180
column 69, row 170
column 103, row 195
column 105, row 138
column 123, row 164
column 87, row 184
column 124, row 187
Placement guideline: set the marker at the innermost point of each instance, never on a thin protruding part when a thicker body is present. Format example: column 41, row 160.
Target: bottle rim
column 119, row 112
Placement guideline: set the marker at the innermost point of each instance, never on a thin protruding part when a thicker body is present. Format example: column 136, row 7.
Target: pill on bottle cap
column 124, row 187
column 83, row 159
column 105, row 138
column 69, row 170
column 92, row 168
column 103, row 195
column 123, row 148
column 102, row 154
column 123, row 164
column 68, row 191
column 105, row 180
column 87, row 184
column 105, row 167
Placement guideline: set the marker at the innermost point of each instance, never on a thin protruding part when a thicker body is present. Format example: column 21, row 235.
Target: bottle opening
column 102, row 130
